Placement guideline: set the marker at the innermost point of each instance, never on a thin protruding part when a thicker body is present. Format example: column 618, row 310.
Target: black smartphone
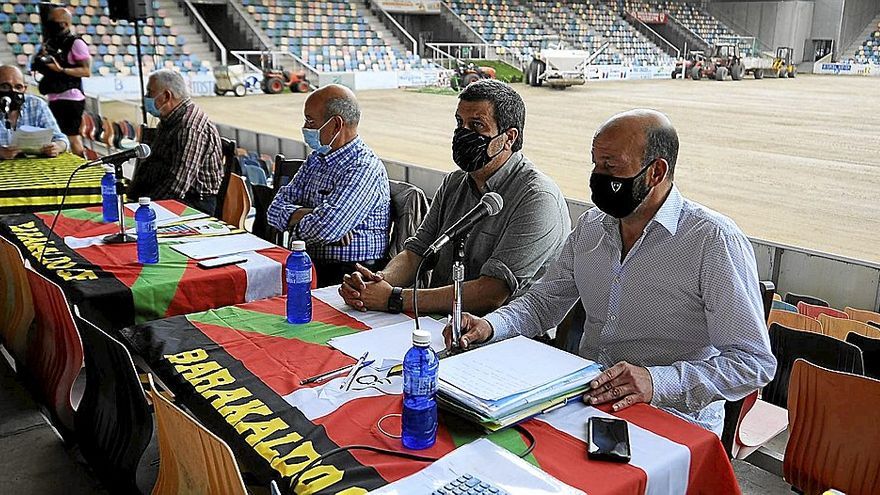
column 608, row 439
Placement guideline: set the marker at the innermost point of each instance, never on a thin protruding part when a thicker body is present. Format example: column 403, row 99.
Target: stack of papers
column 504, row 383
column 31, row 139
column 387, row 345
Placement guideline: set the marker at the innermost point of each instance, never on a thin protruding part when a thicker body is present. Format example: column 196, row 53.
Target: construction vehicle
column 783, row 66
column 275, row 79
column 558, row 67
column 467, row 73
column 726, row 60
column 230, row 78
column 683, row 66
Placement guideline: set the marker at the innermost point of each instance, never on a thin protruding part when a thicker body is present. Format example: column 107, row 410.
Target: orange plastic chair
column 839, row 327
column 777, row 297
column 191, row 459
column 237, row 203
column 794, row 320
column 16, row 303
column 54, row 351
column 833, row 434
column 814, row 311
column 862, row 315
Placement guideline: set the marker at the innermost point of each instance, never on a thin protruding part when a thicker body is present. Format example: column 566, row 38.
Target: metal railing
column 205, row 29
column 251, row 25
column 448, row 11
column 243, row 57
column 440, row 53
column 392, row 24
column 631, row 17
column 689, row 32
column 737, row 27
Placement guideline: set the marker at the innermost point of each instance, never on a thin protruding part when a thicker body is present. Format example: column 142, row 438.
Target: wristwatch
column 395, row 300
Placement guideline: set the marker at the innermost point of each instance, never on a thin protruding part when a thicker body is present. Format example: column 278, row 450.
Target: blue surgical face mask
column 312, row 137
column 150, row 105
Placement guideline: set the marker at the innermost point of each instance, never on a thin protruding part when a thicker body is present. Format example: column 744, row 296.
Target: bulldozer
column 783, row 66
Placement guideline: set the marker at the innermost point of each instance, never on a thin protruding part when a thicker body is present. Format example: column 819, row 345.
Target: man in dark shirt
column 186, row 162
column 505, row 253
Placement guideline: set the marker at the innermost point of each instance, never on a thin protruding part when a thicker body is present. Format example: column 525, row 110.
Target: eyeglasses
column 21, row 88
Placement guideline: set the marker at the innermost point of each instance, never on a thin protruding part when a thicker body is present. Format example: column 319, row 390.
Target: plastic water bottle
column 420, row 367
column 299, row 284
column 108, row 195
column 147, row 244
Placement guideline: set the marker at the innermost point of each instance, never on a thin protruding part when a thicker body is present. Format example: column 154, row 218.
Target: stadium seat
column 16, row 303
column 54, row 352
column 237, row 203
column 114, row 423
column 789, row 345
column 794, row 299
column 784, row 306
column 794, row 320
column 862, row 315
column 814, row 311
column 191, row 458
column 870, row 352
column 833, row 433
column 840, row 327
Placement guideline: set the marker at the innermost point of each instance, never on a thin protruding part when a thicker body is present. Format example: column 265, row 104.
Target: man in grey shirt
column 504, row 253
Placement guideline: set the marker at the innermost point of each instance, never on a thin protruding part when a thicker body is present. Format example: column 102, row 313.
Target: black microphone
column 5, row 105
column 140, row 152
column 490, row 204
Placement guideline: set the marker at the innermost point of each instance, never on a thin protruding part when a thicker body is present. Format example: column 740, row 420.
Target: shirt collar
column 177, row 113
column 510, row 167
column 341, row 154
column 667, row 215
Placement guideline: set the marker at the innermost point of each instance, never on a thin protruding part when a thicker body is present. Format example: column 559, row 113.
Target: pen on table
column 328, row 374
column 354, row 371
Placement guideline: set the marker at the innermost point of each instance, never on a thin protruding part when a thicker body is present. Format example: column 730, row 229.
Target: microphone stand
column 457, row 285
column 120, row 237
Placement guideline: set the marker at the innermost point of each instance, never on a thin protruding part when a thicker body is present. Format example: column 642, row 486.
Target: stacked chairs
column 840, row 327
column 869, row 51
column 111, row 44
column 122, row 134
column 330, row 36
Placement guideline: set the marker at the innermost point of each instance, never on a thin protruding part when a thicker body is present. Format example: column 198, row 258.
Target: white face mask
column 312, row 137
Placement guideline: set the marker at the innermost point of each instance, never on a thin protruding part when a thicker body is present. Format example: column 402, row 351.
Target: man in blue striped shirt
column 339, row 201
column 25, row 110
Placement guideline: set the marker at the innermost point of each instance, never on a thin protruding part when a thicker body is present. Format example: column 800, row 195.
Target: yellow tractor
column 783, row 65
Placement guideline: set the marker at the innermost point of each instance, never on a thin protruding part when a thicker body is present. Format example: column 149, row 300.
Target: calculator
column 468, row 484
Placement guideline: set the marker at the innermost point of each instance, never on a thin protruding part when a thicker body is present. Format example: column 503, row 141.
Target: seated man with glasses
column 19, row 109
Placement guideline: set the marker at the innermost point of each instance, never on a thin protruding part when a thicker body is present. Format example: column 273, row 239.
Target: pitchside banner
column 411, row 6
column 622, row 72
column 128, row 87
column 847, row 69
column 651, row 17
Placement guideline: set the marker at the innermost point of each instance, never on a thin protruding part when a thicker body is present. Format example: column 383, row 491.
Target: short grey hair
column 172, row 81
column 347, row 108
column 661, row 141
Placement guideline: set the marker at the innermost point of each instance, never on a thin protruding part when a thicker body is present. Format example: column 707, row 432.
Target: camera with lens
column 45, row 59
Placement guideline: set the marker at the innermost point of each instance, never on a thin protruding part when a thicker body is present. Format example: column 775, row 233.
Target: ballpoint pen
column 332, row 373
column 354, row 371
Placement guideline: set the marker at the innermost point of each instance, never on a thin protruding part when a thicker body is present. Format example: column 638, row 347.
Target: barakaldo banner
column 128, row 87
column 846, row 69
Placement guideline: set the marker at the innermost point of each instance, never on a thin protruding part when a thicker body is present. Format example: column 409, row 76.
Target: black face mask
column 16, row 99
column 470, row 149
column 53, row 29
column 619, row 196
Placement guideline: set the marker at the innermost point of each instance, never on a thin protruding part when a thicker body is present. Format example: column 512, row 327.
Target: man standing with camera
column 64, row 60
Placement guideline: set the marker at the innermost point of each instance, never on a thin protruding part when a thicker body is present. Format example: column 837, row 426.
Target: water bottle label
column 108, row 190
column 420, row 385
column 146, row 226
column 299, row 276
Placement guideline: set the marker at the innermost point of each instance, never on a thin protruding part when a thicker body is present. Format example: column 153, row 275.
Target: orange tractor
column 275, row 79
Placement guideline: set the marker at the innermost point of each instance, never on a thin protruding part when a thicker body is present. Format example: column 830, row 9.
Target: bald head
column 11, row 75
column 333, row 100
column 650, row 133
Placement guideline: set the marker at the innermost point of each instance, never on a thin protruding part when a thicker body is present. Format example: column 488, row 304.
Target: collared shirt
column 513, row 246
column 34, row 112
column 684, row 303
column 185, row 157
column 348, row 191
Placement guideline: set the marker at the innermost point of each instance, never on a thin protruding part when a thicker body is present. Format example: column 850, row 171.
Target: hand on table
column 51, row 150
column 474, row 330
column 365, row 290
column 8, row 152
column 625, row 384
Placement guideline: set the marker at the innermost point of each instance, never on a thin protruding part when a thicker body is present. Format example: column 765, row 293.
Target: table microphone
column 140, row 152
column 5, row 105
column 490, row 204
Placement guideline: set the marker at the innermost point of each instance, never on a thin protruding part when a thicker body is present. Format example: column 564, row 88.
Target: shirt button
column 612, row 317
